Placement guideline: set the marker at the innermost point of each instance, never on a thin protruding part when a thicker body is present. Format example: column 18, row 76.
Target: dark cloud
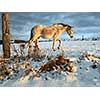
column 84, row 22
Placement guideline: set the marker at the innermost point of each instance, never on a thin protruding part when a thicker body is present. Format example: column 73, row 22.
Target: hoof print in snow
column 95, row 65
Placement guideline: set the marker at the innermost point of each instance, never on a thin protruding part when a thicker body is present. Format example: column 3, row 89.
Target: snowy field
column 85, row 56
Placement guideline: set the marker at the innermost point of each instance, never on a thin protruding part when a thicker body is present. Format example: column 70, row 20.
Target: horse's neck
column 60, row 28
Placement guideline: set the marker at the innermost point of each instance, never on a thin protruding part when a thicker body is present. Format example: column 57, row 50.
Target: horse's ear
column 66, row 26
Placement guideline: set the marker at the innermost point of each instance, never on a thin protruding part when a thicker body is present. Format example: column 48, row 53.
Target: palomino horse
column 54, row 31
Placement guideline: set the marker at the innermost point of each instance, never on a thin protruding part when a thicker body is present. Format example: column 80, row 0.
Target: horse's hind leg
column 30, row 42
column 30, row 49
column 36, row 44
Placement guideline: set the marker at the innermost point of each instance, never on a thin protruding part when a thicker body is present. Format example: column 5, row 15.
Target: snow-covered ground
column 85, row 55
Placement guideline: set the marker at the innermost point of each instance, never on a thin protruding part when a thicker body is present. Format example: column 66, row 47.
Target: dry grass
column 59, row 63
column 21, row 62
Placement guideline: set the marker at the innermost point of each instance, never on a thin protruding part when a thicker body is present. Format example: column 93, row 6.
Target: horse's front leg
column 54, row 42
column 59, row 44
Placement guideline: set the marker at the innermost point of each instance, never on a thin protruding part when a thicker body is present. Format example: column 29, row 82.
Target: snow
column 85, row 55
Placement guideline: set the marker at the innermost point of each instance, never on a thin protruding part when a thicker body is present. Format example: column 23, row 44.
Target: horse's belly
column 47, row 37
column 47, row 33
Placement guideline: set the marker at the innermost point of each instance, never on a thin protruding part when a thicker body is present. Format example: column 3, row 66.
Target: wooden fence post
column 6, row 35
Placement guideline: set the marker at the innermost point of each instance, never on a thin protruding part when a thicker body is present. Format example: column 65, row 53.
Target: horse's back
column 38, row 29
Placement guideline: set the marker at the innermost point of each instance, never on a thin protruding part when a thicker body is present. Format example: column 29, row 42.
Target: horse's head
column 66, row 28
column 70, row 31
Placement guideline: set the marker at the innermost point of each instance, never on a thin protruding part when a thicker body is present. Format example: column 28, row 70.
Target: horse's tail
column 31, row 36
column 32, row 32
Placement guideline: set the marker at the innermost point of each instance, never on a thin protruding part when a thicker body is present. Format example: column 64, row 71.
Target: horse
column 47, row 32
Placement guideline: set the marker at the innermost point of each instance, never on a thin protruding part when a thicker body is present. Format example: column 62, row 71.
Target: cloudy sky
column 87, row 23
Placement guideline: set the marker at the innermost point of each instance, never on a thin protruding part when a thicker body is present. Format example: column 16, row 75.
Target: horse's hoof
column 58, row 48
column 37, row 48
column 54, row 50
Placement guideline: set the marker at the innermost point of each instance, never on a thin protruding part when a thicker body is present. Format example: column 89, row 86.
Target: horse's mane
column 64, row 25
